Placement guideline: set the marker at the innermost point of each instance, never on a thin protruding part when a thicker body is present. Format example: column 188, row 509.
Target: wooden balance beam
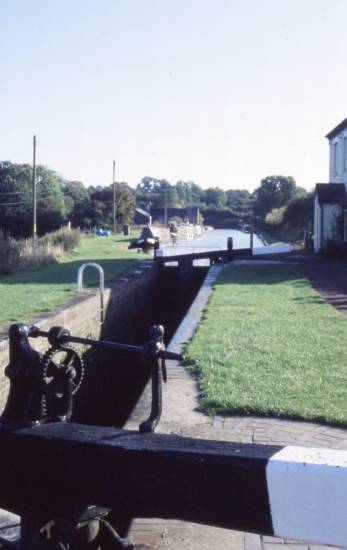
column 291, row 492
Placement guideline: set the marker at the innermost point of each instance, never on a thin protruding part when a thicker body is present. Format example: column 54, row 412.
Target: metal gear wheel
column 56, row 364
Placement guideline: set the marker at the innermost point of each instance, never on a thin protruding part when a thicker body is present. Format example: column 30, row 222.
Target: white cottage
column 330, row 198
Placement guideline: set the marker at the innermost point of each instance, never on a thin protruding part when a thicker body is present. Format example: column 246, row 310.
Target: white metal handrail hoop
column 101, row 284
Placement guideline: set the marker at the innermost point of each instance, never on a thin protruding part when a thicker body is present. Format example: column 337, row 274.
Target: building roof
column 337, row 130
column 330, row 193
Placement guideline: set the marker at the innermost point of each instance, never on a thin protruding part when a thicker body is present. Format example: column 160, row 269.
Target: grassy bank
column 270, row 345
column 277, row 236
column 23, row 294
column 270, row 239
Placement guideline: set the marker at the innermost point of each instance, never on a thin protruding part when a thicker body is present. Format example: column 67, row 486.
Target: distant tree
column 274, row 192
column 189, row 194
column 99, row 211
column 184, row 193
column 153, row 193
column 76, row 190
column 216, row 216
column 51, row 209
column 76, row 198
column 16, row 199
column 149, row 185
column 241, row 204
column 289, row 222
column 167, row 196
column 125, row 203
column 214, row 196
column 198, row 195
column 275, row 217
column 298, row 214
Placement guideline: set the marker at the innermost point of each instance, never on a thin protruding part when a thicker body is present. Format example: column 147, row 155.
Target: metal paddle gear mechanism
column 69, row 371
column 62, row 376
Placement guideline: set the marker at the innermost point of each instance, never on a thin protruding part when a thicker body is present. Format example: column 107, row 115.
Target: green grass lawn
column 269, row 345
column 26, row 293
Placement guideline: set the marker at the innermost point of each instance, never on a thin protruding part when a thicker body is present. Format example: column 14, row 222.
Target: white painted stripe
column 308, row 494
column 274, row 249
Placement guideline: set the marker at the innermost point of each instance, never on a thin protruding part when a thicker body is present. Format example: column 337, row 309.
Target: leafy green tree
column 100, row 208
column 16, row 199
column 51, row 210
column 275, row 217
column 214, row 196
column 77, row 199
column 167, row 195
column 153, row 193
column 240, row 203
column 274, row 192
column 298, row 215
column 216, row 216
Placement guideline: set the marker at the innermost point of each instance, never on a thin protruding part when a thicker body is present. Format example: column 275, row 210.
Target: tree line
column 276, row 205
column 58, row 201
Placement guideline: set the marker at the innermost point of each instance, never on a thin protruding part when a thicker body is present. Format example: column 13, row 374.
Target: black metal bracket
column 153, row 349
column 23, row 407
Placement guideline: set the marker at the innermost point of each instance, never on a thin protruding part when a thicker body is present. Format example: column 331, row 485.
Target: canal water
column 215, row 239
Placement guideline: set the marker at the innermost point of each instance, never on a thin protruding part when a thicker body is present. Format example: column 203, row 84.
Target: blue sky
column 220, row 92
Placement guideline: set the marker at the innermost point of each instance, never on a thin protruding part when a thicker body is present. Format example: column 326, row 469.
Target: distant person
column 173, row 233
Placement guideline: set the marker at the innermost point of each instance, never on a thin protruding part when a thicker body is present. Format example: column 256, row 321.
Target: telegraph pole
column 34, row 189
column 114, row 199
column 165, row 206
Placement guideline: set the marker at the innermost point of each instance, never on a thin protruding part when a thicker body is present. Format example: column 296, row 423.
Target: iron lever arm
column 65, row 337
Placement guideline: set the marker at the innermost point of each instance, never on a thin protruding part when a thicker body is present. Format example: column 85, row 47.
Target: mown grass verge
column 26, row 293
column 270, row 345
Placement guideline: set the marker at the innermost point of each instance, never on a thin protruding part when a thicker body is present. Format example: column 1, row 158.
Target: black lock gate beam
column 256, row 488
column 148, row 475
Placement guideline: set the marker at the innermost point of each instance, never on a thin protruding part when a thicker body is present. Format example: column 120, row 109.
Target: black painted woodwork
column 213, row 255
column 59, row 467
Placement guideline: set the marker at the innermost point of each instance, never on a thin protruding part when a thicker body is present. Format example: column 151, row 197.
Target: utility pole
column 251, row 236
column 34, row 189
column 165, row 206
column 114, row 199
